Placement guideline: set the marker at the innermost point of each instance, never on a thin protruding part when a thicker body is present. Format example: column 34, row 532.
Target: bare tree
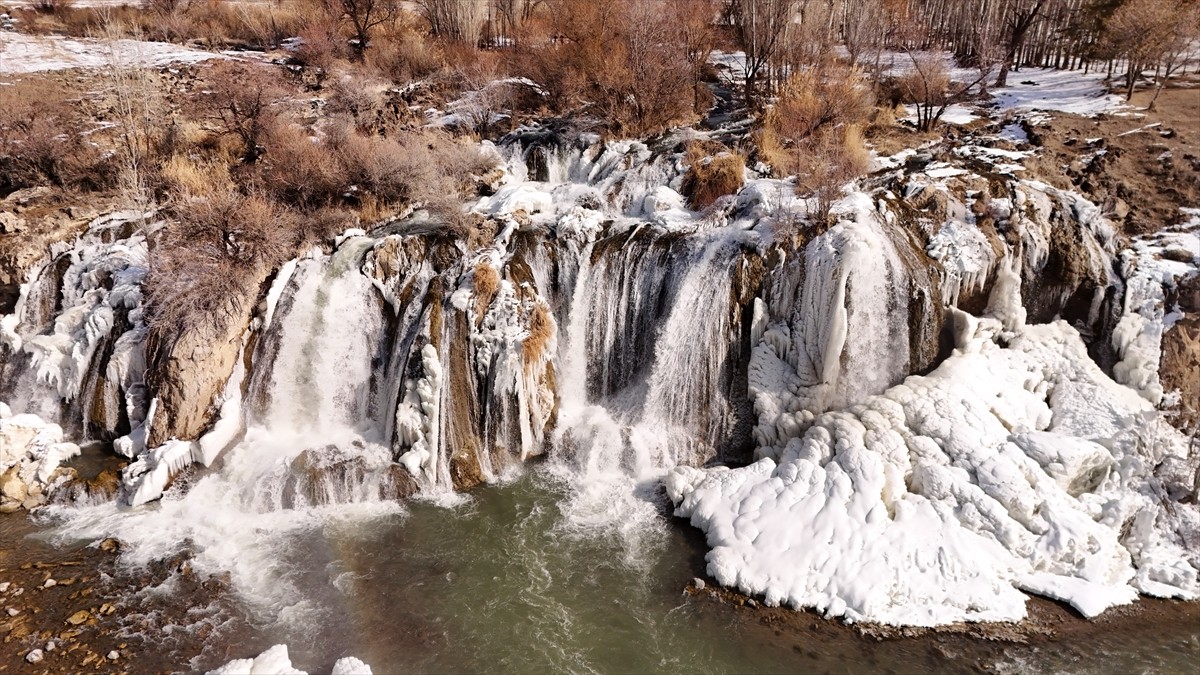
column 1020, row 17
column 244, row 101
column 763, row 27
column 864, row 28
column 137, row 105
column 459, row 20
column 1155, row 34
column 928, row 86
column 364, row 16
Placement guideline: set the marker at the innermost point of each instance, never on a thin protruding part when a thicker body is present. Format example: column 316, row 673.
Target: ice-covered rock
column 275, row 661
column 31, row 452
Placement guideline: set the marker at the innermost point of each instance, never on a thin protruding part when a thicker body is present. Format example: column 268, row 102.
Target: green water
column 505, row 583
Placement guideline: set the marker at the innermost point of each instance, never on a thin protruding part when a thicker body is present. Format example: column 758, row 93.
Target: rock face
column 188, row 373
column 31, row 221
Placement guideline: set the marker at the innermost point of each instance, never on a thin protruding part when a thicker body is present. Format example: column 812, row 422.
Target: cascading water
column 602, row 325
column 647, row 348
column 309, row 456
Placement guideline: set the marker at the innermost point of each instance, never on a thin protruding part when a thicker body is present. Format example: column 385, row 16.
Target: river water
column 513, row 579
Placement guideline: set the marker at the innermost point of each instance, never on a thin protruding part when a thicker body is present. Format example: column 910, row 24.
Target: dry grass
column 814, row 131
column 188, row 177
column 486, row 281
column 809, row 104
column 43, row 140
column 713, row 172
column 541, row 334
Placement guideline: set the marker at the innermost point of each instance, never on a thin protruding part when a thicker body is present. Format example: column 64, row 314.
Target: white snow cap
column 275, row 661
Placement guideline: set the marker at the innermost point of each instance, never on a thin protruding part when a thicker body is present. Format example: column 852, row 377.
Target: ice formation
column 1137, row 337
column 275, row 661
column 31, row 451
column 1016, row 464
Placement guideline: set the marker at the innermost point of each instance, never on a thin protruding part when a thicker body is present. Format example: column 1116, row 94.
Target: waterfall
column 642, row 366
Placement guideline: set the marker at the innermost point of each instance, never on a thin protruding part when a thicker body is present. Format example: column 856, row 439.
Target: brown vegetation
column 631, row 65
column 814, row 131
column 541, row 333
column 486, row 282
column 196, row 264
column 42, row 140
column 714, row 171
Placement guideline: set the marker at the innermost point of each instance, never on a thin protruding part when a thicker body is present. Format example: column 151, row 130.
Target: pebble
column 4, row 586
column 114, row 655
column 78, row 617
column 698, row 583
column 34, row 656
column 13, row 611
column 50, row 646
column 49, row 583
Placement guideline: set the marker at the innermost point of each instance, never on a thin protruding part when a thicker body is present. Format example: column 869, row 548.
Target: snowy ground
column 30, row 54
column 1069, row 91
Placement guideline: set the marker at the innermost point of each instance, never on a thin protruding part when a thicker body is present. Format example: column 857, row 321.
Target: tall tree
column 1020, row 17
column 763, row 27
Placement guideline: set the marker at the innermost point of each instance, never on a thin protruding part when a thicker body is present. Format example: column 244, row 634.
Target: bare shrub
column 299, row 170
column 204, row 258
column 928, row 86
column 624, row 62
column 814, row 132
column 831, row 159
column 42, row 140
column 404, row 54
column 243, row 100
column 363, row 17
column 713, row 172
column 319, row 46
column 357, row 98
column 809, row 103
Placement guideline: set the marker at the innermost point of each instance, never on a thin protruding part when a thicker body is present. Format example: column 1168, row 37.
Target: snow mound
column 31, row 451
column 1015, row 465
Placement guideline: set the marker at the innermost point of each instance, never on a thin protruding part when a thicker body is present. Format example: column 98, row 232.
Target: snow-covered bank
column 31, row 451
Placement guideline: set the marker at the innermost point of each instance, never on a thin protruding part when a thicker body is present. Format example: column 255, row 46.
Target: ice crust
column 31, row 451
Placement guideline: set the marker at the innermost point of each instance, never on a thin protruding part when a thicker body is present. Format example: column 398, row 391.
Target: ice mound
column 275, row 661
column 1016, row 465
column 31, row 451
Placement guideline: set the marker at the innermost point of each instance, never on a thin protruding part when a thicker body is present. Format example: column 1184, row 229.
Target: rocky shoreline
column 71, row 608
